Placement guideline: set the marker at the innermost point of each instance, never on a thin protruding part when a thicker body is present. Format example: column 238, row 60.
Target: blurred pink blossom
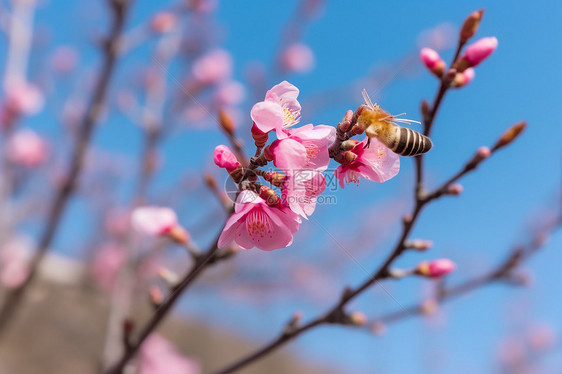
column 163, row 22
column 256, row 224
column 440, row 37
column 153, row 220
column 24, row 98
column 117, row 221
column 463, row 78
column 213, row 67
column 297, row 58
column 159, row 356
column 203, row 6
column 279, row 110
column 376, row 163
column 26, row 148
column 541, row 337
column 14, row 265
column 230, row 93
column 109, row 259
column 224, row 158
column 64, row 59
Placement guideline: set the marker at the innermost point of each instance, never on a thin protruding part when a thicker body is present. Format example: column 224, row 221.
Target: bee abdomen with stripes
column 407, row 142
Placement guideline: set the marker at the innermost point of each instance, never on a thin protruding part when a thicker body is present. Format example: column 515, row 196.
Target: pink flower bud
column 435, row 268
column 26, row 148
column 455, row 189
column 224, row 158
column 478, row 51
column 163, row 22
column 463, row 78
column 483, row 152
column 297, row 58
column 358, row 319
column 432, row 61
column 153, row 220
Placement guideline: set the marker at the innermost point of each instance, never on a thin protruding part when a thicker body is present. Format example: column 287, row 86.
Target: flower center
column 352, row 176
column 290, row 117
column 259, row 225
column 312, row 151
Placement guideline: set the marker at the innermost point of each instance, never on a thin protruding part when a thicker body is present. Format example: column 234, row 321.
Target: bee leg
column 368, row 143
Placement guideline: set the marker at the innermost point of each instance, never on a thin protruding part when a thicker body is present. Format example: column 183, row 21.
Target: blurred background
column 179, row 62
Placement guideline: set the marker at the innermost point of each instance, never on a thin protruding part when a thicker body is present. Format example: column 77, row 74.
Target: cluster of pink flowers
column 265, row 220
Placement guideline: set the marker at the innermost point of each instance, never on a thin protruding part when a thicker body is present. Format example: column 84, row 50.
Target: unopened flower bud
column 293, row 323
column 454, row 189
column 226, row 122
column 470, row 25
column 356, row 130
column 210, row 181
column 168, row 276
column 510, row 135
column 476, row 53
column 407, row 218
column 178, row 234
column 432, row 61
column 224, row 158
column 435, row 268
column 483, row 152
column 419, row 244
column 343, row 126
column 275, row 178
column 156, row 296
column 267, row 153
column 260, row 137
column 269, row 196
column 357, row 319
column 463, row 78
column 348, row 157
column 348, row 145
column 424, row 108
column 398, row 273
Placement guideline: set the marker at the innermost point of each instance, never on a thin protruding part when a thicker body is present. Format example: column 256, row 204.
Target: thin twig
column 111, row 50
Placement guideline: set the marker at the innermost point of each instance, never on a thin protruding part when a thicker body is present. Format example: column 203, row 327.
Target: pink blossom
column 305, row 147
column 256, row 224
column 279, row 110
column 224, row 158
column 301, row 189
column 26, row 148
column 159, row 356
column 212, row 67
column 480, row 50
column 64, row 59
column 14, row 260
column 108, row 260
column 436, row 268
column 230, row 93
column 24, row 98
column 163, row 22
column 153, row 220
column 376, row 163
column 297, row 58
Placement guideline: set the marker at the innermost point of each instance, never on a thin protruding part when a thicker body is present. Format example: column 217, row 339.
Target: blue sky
column 520, row 81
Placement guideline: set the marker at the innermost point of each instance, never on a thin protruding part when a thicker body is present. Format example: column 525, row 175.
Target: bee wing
column 367, row 99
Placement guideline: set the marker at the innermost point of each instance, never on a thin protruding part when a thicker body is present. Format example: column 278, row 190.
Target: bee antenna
column 367, row 99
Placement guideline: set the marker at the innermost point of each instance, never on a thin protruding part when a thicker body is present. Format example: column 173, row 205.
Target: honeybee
column 378, row 123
